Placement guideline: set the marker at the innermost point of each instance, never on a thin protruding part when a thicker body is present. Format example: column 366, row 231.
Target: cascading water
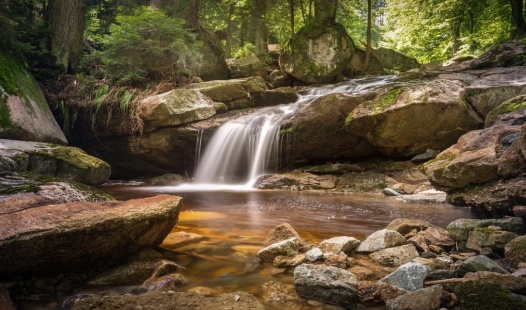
column 245, row 148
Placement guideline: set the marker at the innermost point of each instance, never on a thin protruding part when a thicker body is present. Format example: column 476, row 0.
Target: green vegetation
column 511, row 105
column 70, row 155
column 5, row 117
column 386, row 100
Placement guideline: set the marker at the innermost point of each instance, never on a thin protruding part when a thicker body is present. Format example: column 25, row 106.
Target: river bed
column 235, row 224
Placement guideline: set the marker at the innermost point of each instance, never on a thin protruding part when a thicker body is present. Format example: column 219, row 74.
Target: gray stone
column 313, row 255
column 339, row 244
column 423, row 299
column 280, row 233
column 391, row 192
column 326, row 284
column 409, row 276
column 459, row 229
column 487, row 240
column 479, row 263
column 395, row 256
column 289, row 247
column 380, row 240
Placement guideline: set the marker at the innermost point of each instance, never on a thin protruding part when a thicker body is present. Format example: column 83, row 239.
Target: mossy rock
column 474, row 295
column 317, row 53
column 515, row 250
column 508, row 106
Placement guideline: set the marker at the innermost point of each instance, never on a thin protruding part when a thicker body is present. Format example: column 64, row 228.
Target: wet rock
column 317, row 53
column 340, row 260
column 404, row 188
column 487, row 240
column 162, row 283
column 134, row 273
column 404, row 226
column 439, row 237
column 280, row 233
column 168, row 179
column 276, row 96
column 380, row 240
column 82, row 235
column 409, row 276
column 279, row 292
column 510, row 282
column 175, row 301
column 425, row 196
column 326, row 284
column 427, row 156
column 335, row 169
column 181, row 238
column 52, row 160
column 289, row 247
column 395, row 256
column 378, row 292
column 424, row 299
column 286, row 261
column 296, row 181
column 203, row 290
column 339, row 244
column 479, row 263
column 391, row 192
column 313, row 255
column 514, row 250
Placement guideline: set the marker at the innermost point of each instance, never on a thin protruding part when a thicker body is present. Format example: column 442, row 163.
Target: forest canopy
column 136, row 40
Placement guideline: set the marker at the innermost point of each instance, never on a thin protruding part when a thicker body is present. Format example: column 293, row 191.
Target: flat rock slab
column 82, row 236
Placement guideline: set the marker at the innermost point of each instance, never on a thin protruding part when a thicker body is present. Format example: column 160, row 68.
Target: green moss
column 15, row 189
column 5, row 117
column 485, row 296
column 508, row 106
column 386, row 100
column 349, row 118
column 71, row 155
column 15, row 79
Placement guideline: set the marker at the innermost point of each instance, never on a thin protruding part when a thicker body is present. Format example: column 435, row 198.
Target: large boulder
column 357, row 64
column 81, row 236
column 495, row 86
column 317, row 53
column 380, row 240
column 409, row 276
column 317, row 133
column 176, row 107
column 24, row 112
column 327, row 284
column 507, row 54
column 409, row 119
column 393, row 60
column 52, row 160
column 424, row 299
column 246, row 67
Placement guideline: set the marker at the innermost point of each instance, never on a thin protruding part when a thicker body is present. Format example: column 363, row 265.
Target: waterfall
column 243, row 149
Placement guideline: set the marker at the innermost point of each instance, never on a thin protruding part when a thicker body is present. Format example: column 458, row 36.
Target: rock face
column 52, row 160
column 408, row 120
column 357, row 64
column 317, row 53
column 246, row 67
column 327, row 284
column 54, row 239
column 289, row 247
column 24, row 112
column 393, row 60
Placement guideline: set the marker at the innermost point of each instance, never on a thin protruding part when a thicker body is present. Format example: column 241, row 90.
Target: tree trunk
column 260, row 16
column 193, row 15
column 66, row 26
column 518, row 25
column 291, row 6
column 325, row 10
column 229, row 30
column 369, row 27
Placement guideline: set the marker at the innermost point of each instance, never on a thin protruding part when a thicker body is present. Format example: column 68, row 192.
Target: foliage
column 147, row 45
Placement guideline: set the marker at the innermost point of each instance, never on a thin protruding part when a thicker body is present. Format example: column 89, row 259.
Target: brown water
column 236, row 223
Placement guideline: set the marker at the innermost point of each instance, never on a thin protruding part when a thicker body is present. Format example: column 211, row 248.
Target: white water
column 243, row 149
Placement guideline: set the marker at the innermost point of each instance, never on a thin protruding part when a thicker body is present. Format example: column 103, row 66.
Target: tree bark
column 260, row 16
column 193, row 15
column 518, row 25
column 369, row 27
column 66, row 26
column 229, row 31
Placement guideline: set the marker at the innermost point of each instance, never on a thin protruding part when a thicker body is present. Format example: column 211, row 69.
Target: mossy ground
column 486, row 296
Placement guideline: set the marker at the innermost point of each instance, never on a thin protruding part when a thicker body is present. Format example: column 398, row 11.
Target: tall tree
column 193, row 15
column 260, row 19
column 369, row 27
column 325, row 10
column 518, row 25
column 66, row 26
